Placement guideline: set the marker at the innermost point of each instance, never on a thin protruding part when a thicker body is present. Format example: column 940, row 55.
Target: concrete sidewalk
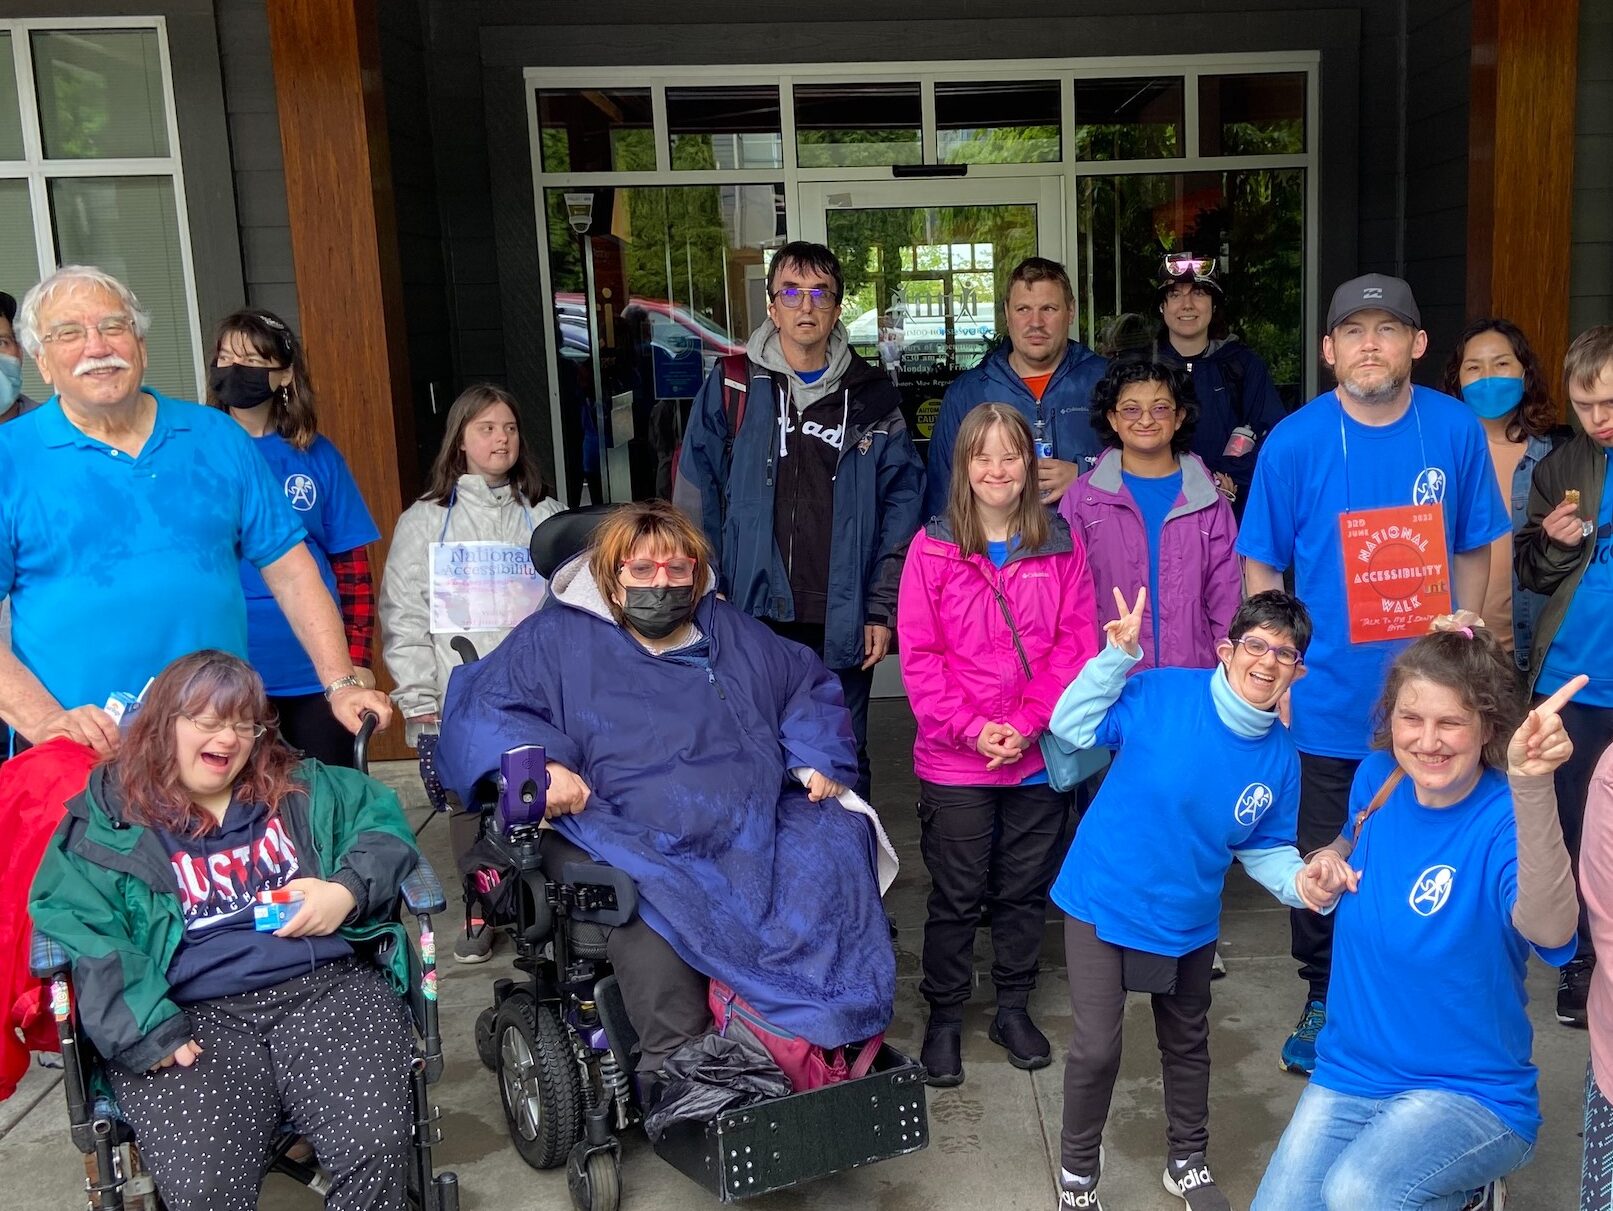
column 994, row 1139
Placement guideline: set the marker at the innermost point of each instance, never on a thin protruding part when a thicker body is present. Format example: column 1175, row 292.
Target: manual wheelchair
column 102, row 1135
column 559, row 1039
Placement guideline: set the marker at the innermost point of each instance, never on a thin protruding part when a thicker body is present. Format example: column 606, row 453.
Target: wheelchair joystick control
column 523, row 786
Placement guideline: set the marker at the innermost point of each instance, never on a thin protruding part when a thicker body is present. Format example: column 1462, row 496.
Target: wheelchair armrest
column 47, row 957
column 601, row 894
column 422, row 891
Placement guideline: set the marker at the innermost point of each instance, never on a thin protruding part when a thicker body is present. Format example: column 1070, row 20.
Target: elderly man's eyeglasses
column 679, row 570
column 209, row 726
column 1258, row 647
column 1157, row 411
column 791, row 297
column 68, row 335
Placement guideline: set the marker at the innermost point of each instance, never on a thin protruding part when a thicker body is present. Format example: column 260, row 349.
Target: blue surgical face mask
column 1493, row 398
column 10, row 380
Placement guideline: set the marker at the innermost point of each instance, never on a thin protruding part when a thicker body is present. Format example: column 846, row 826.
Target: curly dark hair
column 1477, row 669
column 1536, row 416
column 1124, row 373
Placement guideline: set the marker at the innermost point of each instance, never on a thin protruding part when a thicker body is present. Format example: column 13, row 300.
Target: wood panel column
column 1520, row 199
column 327, row 77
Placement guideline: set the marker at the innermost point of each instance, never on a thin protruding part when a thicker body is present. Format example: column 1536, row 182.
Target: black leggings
column 665, row 997
column 326, row 1052
column 307, row 724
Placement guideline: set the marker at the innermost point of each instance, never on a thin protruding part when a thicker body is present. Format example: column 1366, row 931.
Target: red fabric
column 356, row 589
column 34, row 790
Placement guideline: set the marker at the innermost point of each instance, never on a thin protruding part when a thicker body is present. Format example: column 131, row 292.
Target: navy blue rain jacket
column 686, row 756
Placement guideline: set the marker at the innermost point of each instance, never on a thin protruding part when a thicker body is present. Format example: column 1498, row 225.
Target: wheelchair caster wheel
column 538, row 1082
column 595, row 1181
column 487, row 1038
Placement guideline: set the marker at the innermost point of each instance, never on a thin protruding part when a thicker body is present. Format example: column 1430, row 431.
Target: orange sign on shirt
column 1397, row 575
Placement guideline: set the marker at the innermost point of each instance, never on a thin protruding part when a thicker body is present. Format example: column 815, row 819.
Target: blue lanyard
column 1344, row 445
column 453, row 499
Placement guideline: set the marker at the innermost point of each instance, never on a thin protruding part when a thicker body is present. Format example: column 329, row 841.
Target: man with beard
column 1388, row 462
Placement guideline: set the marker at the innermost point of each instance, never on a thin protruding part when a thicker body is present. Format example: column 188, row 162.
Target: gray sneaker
column 1190, row 1181
column 475, row 945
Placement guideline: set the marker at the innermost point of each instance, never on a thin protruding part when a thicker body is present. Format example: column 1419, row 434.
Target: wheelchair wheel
column 538, row 1082
column 487, row 1037
column 597, row 1186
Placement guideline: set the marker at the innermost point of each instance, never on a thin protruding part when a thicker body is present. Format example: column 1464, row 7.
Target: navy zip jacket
column 1233, row 387
column 878, row 490
column 1063, row 408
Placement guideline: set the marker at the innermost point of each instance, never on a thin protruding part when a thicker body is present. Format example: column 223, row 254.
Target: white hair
column 67, row 278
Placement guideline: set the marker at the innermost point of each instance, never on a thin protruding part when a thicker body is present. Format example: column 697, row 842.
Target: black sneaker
column 1573, row 988
column 1079, row 1195
column 475, row 945
column 1027, row 1046
column 1190, row 1181
column 942, row 1054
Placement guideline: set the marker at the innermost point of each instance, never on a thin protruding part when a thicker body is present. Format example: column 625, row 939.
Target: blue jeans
column 1426, row 1148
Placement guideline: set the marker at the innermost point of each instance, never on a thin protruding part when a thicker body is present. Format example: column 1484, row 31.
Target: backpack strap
column 735, row 394
column 866, row 1057
column 1378, row 800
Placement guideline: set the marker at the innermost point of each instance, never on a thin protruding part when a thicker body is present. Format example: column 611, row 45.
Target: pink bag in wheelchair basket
column 805, row 1065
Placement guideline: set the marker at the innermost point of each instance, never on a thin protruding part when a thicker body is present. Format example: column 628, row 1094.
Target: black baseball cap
column 1373, row 292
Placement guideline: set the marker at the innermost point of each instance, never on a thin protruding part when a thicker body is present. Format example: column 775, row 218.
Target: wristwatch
column 342, row 683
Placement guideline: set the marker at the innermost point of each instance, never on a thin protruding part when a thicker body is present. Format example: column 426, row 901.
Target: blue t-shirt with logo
column 323, row 495
column 1584, row 641
column 1185, row 790
column 1318, row 464
column 1155, row 498
column 1427, row 990
column 116, row 566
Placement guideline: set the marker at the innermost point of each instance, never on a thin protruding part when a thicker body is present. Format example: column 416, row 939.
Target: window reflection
column 846, row 125
column 1001, row 122
column 1139, row 119
column 725, row 127
column 596, row 130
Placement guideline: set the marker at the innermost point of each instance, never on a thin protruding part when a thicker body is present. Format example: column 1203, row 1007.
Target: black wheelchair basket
column 98, row 1131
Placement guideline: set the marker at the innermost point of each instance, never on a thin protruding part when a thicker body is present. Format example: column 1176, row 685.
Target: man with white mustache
column 1373, row 443
column 125, row 515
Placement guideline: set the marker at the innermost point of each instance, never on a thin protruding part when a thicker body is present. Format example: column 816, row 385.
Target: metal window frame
column 38, row 170
column 926, row 73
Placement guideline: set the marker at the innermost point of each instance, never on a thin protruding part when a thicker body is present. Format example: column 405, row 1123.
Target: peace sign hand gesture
column 1123, row 631
column 1541, row 743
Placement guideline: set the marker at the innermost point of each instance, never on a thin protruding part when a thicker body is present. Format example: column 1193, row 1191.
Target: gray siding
column 1591, row 283
column 1434, row 234
column 260, row 183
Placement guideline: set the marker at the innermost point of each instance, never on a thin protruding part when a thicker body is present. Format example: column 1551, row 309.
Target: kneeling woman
column 215, row 1033
column 1459, row 871
column 679, row 732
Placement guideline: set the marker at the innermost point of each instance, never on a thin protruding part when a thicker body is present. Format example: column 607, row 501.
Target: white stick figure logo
column 1429, row 489
column 300, row 491
column 1252, row 803
column 1431, row 890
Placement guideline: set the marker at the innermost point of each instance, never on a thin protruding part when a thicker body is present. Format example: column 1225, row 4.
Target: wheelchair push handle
column 361, row 741
column 464, row 649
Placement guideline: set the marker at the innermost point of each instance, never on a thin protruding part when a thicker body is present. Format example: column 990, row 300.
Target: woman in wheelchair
column 693, row 749
column 218, row 1035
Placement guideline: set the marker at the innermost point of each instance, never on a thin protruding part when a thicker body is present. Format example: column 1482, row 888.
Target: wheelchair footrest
column 773, row 1145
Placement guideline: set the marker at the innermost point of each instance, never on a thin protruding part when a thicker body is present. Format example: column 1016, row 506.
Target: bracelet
column 349, row 682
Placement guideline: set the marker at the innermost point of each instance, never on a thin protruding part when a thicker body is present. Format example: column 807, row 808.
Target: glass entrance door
column 927, row 265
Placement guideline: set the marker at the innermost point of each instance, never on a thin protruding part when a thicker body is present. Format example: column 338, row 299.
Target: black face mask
column 240, row 386
column 657, row 613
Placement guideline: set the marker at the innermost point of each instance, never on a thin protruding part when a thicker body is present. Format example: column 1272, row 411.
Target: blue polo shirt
column 116, row 566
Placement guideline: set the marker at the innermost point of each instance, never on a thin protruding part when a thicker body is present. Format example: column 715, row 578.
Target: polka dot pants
column 326, row 1053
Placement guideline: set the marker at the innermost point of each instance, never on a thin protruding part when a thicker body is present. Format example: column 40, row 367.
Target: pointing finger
column 1563, row 696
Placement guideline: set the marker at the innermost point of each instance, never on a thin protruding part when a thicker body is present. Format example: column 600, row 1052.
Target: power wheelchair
column 100, row 1133
column 562, row 1046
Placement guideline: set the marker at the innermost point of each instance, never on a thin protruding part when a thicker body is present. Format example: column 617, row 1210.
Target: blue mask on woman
column 10, row 380
column 1493, row 398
